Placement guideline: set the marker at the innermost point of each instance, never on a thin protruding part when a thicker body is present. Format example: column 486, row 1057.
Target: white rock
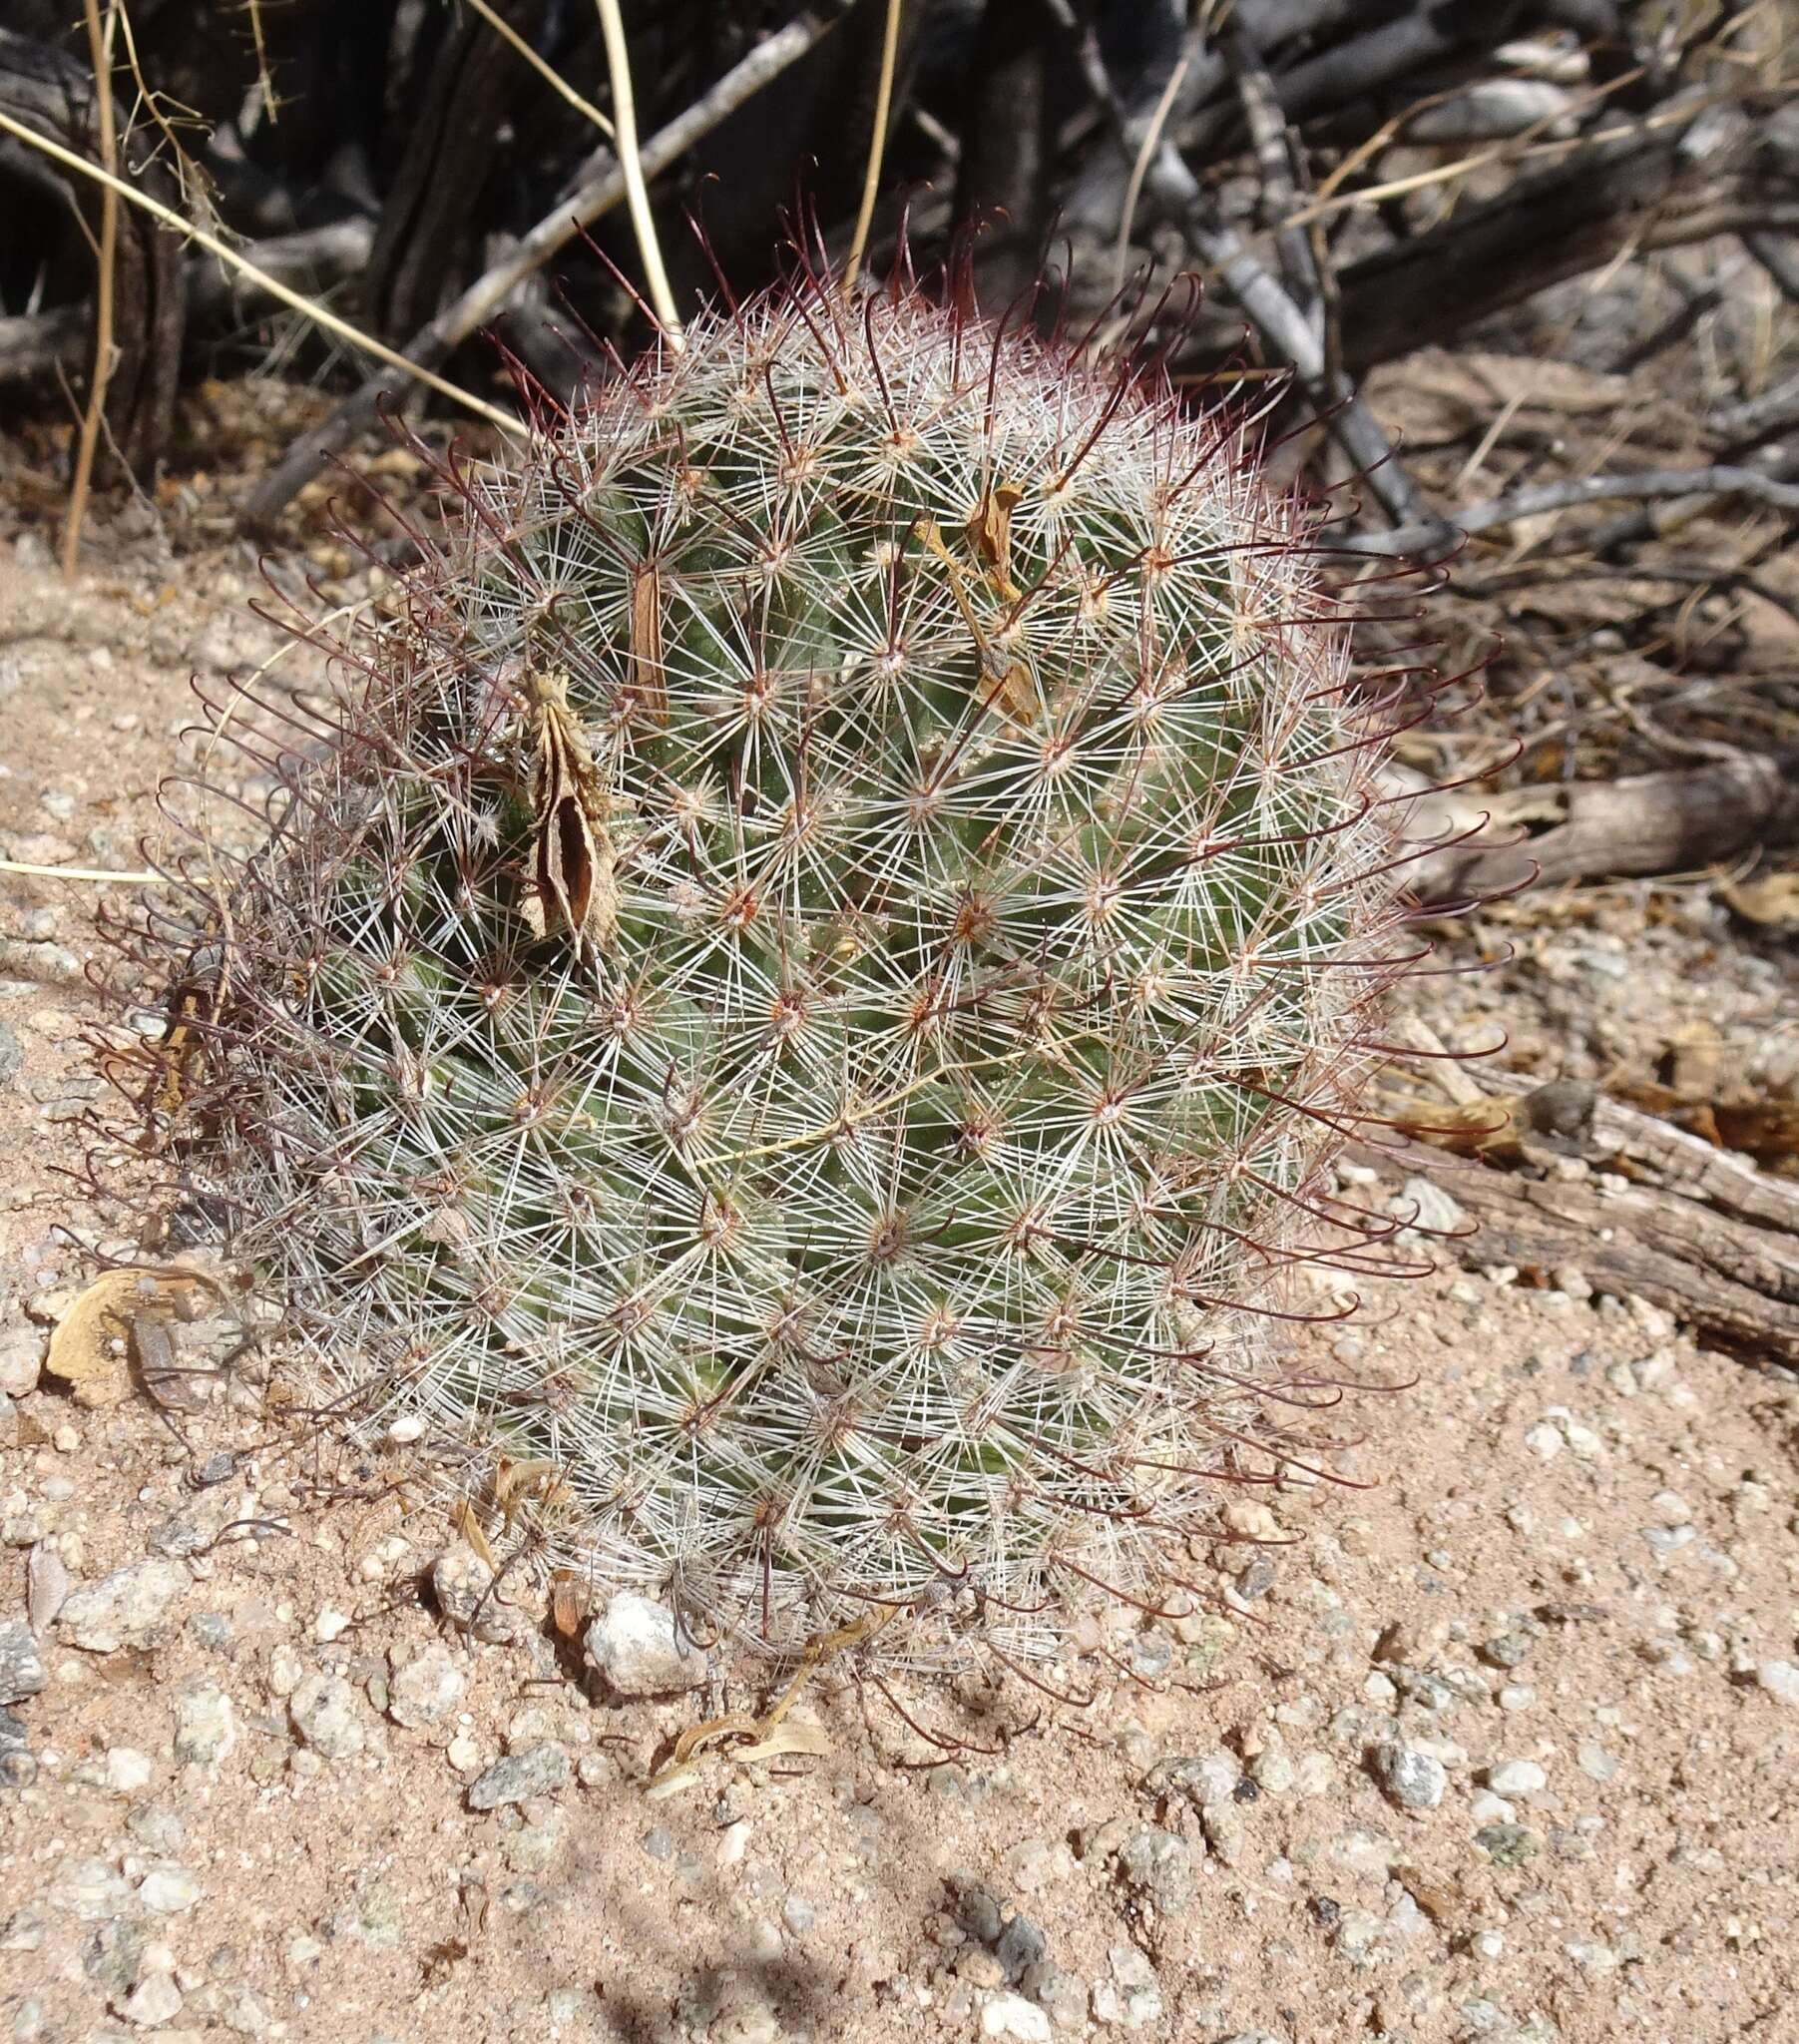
column 1011, row 2015
column 635, row 1644
column 464, row 1587
column 1780, row 1679
column 1543, row 1441
column 1412, row 1778
column 428, row 1688
column 169, row 1890
column 22, row 1672
column 206, row 1726
column 125, row 1609
column 127, row 1770
column 323, row 1710
column 154, row 2001
column 330, row 1624
column 1429, row 1207
column 1515, row 1779
column 21, row 1361
column 89, row 1889
column 1131, row 1998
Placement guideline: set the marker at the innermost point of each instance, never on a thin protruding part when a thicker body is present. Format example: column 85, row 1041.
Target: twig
column 100, row 53
column 1286, row 329
column 1140, row 168
column 1651, row 485
column 546, row 72
column 1780, row 262
column 19, row 865
column 877, row 147
column 637, row 196
column 317, row 313
column 1282, row 325
column 600, row 190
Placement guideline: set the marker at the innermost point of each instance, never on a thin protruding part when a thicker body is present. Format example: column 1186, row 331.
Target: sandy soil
column 1558, row 1615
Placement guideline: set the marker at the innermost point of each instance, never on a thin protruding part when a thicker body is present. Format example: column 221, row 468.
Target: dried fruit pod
column 811, row 1001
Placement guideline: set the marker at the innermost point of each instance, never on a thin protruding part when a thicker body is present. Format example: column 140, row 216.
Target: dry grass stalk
column 100, row 52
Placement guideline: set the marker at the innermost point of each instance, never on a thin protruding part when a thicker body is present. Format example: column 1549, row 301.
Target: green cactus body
column 892, row 1204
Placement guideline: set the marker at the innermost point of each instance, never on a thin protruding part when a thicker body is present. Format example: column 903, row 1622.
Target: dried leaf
column 568, row 1602
column 989, row 533
column 1694, row 1060
column 1767, row 1130
column 1772, row 902
column 572, row 855
column 1474, row 1128
column 171, row 1385
column 1005, row 683
column 646, row 676
column 794, row 1737
column 468, row 1528
column 88, row 1348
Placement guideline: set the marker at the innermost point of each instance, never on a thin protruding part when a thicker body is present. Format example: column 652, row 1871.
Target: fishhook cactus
column 810, row 999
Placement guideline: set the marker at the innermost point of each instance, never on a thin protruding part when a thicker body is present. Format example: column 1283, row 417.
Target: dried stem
column 636, row 197
column 100, row 52
column 1655, row 486
column 546, row 72
column 320, row 315
column 598, row 193
column 877, row 148
column 1140, row 168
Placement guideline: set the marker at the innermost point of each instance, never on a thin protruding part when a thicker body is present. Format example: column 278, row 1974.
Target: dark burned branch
column 427, row 213
column 33, row 346
column 47, row 91
column 1642, row 188
column 1651, row 486
column 1291, row 337
column 1778, row 254
column 601, row 188
column 1596, row 830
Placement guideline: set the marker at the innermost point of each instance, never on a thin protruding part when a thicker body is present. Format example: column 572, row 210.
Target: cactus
column 808, row 1004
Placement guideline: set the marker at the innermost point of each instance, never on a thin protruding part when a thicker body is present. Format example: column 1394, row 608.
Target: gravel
column 426, row 1689
column 1131, row 1998
column 641, row 1652
column 325, row 1713
column 169, row 1890
column 535, row 1772
column 1157, row 1868
column 21, row 1354
column 1411, row 1778
column 1011, row 2015
column 1517, row 1780
column 1780, row 1679
column 22, row 1672
column 463, row 1585
column 126, row 1609
column 206, row 1723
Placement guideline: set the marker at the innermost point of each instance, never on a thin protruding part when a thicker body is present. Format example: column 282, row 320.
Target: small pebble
column 535, row 1772
column 1411, row 1778
column 1780, row 1679
column 325, row 1712
column 1517, row 1778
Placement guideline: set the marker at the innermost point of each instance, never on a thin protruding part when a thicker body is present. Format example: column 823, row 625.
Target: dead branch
column 48, row 91
column 1652, row 486
column 1732, row 1282
column 1596, row 830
